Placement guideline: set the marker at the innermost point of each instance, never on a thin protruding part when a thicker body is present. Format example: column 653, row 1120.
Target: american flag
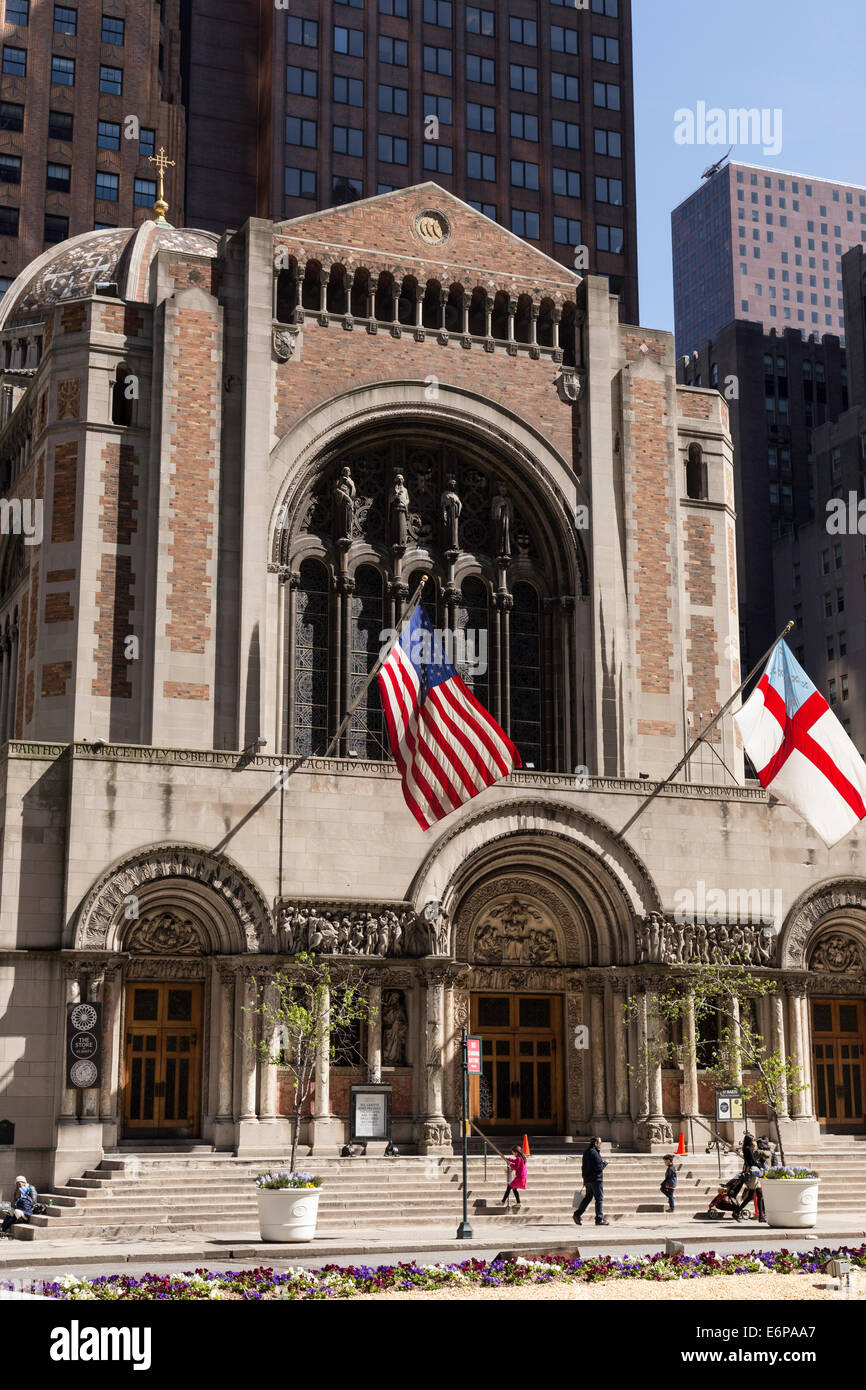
column 446, row 745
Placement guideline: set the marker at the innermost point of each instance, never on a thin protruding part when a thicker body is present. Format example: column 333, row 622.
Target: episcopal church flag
column 800, row 750
column 446, row 745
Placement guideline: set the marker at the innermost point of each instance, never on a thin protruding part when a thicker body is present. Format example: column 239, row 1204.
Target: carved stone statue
column 344, row 505
column 165, row 934
column 837, row 953
column 395, row 1028
column 510, row 938
column 398, row 511
column 451, row 507
column 501, row 521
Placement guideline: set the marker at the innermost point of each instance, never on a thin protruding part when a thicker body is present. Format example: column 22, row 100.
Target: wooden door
column 839, row 1054
column 520, row 1088
column 162, row 1060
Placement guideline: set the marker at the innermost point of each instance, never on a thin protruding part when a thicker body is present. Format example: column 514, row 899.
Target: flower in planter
column 277, row 1181
column 782, row 1171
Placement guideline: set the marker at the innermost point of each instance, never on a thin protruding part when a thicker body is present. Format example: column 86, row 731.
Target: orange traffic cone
column 681, row 1146
column 525, row 1147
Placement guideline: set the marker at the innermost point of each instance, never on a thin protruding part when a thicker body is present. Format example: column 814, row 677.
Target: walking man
column 593, row 1166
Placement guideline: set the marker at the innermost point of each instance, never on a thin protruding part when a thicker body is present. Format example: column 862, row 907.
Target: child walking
column 517, row 1181
column 669, row 1181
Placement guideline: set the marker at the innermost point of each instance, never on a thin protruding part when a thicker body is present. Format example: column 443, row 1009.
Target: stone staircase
column 147, row 1194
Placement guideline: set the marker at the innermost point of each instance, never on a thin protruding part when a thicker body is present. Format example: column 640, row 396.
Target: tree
column 303, row 1008
column 726, row 992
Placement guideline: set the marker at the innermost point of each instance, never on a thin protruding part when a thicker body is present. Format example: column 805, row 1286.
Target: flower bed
column 335, row 1281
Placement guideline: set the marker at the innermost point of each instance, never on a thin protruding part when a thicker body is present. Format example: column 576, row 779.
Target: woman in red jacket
column 517, row 1181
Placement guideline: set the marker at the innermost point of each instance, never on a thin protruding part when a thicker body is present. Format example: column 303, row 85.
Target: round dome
column 72, row 269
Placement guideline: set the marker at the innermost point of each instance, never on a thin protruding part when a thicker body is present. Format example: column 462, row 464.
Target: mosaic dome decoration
column 73, row 268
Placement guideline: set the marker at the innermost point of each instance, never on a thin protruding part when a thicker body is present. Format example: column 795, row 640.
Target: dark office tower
column 524, row 110
column 854, row 295
column 764, row 245
column 87, row 93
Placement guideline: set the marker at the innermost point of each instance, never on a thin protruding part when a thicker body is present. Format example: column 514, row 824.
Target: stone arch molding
column 838, row 905
column 230, row 913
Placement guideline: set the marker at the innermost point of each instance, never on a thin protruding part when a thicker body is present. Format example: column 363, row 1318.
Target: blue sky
column 803, row 56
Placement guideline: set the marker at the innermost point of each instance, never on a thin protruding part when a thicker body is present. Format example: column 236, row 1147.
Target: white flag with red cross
column 800, row 750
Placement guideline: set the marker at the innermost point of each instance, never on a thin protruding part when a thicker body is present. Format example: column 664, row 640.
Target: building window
column 393, row 150
column 57, row 178
column 144, row 195
column 440, row 107
column 366, row 731
column 831, row 687
column 605, row 50
column 350, row 41
column 522, row 78
column 398, row 8
column 56, row 228
column 609, row 239
column 146, row 142
column 348, row 139
column 302, row 31
column 12, row 116
column 108, row 135
column 696, row 474
column 564, row 87
column 112, row 30
column 563, row 40
column 300, row 132
column 525, row 223
column 15, row 61
column 606, row 94
column 524, row 174
column 606, row 7
column 608, row 142
column 526, row 674
column 393, row 99
column 111, row 80
column 300, row 183
column 488, row 209
column 438, row 158
column 480, row 166
column 345, row 190
column 396, row 51
column 843, row 644
column 10, row 168
column 608, row 191
column 5, row 284
column 312, row 639
column 524, row 126
column 302, row 82
column 566, row 134
column 18, row 12
column 65, row 20
column 106, row 186
column 121, row 400
column 567, row 231
column 480, row 69
column 480, row 117
column 8, row 221
column 523, row 31
column 438, row 12
column 348, row 91
column 438, row 60
column 840, row 600
column 566, row 182
column 480, row 21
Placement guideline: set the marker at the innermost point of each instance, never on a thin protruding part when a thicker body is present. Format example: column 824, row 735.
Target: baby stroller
column 729, row 1197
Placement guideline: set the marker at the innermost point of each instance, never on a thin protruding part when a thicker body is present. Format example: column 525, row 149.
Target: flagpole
column 681, row 764
column 383, row 656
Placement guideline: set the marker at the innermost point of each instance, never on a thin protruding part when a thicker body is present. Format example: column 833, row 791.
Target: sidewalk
column 404, row 1243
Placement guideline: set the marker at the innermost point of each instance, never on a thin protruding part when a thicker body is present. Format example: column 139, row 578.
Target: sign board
column 729, row 1104
column 370, row 1112
column 473, row 1053
column 83, row 1045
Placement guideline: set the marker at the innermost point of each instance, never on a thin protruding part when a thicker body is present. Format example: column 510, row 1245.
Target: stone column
column 111, row 1049
column 374, row 1036
column 557, row 320
column 596, row 1053
column 735, row 1034
column 794, row 992
column 11, row 689
column 69, row 1094
column 691, row 1103
column 512, row 310
column 642, row 1060
column 777, row 1017
column 249, row 1062
column 420, row 291
column 324, row 276
column 443, row 307
column 620, row 1050
column 653, row 1134
column 435, row 1132
column 226, row 977
column 488, row 315
column 806, row 1042
column 267, row 1072
column 533, row 322
column 467, row 300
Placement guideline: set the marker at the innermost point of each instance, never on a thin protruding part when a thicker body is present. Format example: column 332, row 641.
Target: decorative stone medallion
column 433, row 228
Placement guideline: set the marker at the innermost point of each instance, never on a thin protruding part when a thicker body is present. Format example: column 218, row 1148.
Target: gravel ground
column 760, row 1288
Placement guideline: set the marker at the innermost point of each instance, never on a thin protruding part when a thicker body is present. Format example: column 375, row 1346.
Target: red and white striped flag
column 447, row 746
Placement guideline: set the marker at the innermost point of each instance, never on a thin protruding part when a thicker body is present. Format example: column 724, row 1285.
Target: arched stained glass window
column 471, row 653
column 366, row 734
column 311, row 662
column 526, row 674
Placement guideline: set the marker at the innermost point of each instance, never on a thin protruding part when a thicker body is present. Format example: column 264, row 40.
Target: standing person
column 593, row 1166
column 23, row 1201
column 753, row 1167
column 669, row 1181
column 517, row 1181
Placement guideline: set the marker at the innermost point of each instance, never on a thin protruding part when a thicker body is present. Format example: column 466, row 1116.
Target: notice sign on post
column 473, row 1052
column 729, row 1104
column 83, row 1045
column 370, row 1112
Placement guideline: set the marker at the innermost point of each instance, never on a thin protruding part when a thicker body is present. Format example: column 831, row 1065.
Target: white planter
column 791, row 1202
column 288, row 1214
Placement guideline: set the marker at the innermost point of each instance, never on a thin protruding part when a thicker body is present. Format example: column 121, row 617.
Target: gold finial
column 160, row 207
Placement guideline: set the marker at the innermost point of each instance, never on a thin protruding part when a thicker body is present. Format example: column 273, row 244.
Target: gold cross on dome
column 161, row 164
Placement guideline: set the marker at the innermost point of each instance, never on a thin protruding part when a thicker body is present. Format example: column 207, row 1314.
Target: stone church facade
column 244, row 449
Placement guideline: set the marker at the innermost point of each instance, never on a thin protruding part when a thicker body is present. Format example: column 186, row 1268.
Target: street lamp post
column 464, row 1230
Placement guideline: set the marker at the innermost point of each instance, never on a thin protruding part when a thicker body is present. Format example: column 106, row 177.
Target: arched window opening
column 366, row 735
column 499, row 323
column 696, row 474
column 311, row 289
column 312, row 649
column 454, row 309
column 566, row 335
column 544, row 329
column 123, row 394
column 384, row 307
column 471, row 639
column 337, row 297
column 406, row 302
column 523, row 319
column 526, row 674
column 360, row 295
column 429, row 596
column 478, row 314
column 287, row 295
column 431, row 309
